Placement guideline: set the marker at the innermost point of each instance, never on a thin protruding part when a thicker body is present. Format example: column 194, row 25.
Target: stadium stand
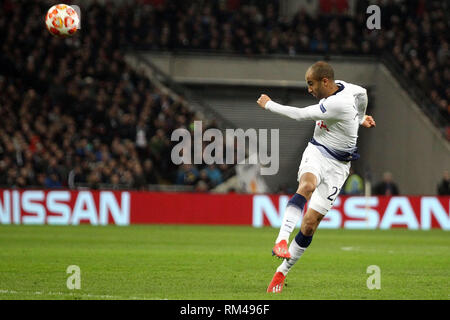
column 74, row 114
column 413, row 37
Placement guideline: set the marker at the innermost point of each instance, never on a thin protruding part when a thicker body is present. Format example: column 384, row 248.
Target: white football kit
column 333, row 145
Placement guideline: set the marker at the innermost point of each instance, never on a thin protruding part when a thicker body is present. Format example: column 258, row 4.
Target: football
column 62, row 20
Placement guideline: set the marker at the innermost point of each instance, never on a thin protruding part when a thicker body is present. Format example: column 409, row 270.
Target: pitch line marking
column 88, row 295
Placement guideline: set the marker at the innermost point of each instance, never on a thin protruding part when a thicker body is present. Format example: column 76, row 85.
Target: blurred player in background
column 325, row 162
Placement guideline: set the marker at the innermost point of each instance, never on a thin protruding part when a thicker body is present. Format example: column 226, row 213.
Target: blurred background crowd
column 74, row 114
column 413, row 33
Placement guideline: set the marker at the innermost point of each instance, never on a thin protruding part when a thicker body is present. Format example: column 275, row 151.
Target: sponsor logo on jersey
column 322, row 108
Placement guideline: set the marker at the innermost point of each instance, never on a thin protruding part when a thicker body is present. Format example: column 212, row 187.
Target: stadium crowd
column 73, row 113
column 414, row 33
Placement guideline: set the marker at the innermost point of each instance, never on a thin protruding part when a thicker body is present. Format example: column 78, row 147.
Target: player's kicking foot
column 281, row 250
column 276, row 285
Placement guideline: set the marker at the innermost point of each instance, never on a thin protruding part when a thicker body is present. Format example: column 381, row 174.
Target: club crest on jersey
column 322, row 108
column 322, row 125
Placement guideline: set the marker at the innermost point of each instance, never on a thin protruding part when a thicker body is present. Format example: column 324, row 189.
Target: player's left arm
column 368, row 122
column 361, row 101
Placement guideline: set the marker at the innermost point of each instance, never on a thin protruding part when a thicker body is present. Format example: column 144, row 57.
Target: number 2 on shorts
column 333, row 194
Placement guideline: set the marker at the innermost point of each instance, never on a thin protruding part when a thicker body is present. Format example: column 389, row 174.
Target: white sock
column 296, row 252
column 291, row 216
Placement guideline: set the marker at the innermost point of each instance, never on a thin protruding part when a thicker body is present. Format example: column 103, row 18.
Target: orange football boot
column 276, row 285
column 281, row 250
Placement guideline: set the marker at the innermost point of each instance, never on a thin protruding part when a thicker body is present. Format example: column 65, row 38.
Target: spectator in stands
column 53, row 181
column 443, row 188
column 201, row 186
column 138, row 177
column 333, row 6
column 58, row 131
column 204, row 180
column 386, row 187
column 354, row 184
column 214, row 175
column 187, row 175
column 227, row 171
column 149, row 172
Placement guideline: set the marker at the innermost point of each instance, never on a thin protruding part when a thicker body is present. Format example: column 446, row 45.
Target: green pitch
column 214, row 262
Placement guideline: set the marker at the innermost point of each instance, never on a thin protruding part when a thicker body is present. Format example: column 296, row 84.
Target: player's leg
column 307, row 185
column 310, row 223
column 320, row 202
column 293, row 212
column 294, row 208
column 308, row 178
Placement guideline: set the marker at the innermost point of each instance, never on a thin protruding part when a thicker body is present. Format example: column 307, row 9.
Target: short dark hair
column 322, row 69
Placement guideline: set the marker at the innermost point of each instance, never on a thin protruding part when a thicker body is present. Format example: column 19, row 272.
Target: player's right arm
column 330, row 111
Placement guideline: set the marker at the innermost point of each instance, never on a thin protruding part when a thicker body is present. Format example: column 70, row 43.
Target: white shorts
column 330, row 173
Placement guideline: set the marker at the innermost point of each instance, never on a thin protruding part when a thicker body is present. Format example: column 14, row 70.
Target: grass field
column 217, row 262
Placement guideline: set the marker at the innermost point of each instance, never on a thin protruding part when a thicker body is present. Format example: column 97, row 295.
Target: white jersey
column 337, row 120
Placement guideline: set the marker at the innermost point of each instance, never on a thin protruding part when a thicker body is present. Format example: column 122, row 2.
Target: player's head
column 320, row 79
column 387, row 177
